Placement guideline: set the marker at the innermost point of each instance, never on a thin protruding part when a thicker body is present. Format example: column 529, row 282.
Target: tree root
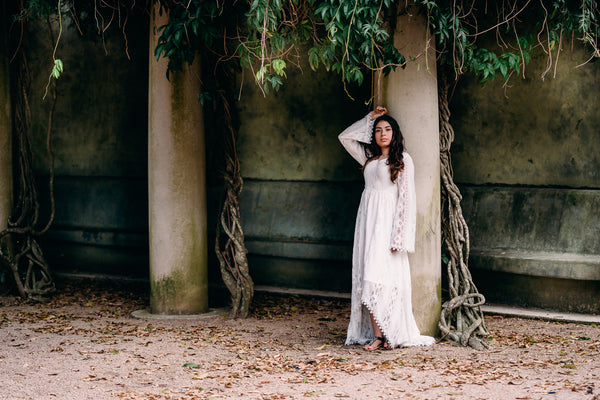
column 461, row 319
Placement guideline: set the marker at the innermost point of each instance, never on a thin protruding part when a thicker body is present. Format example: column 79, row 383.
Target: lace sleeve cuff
column 357, row 133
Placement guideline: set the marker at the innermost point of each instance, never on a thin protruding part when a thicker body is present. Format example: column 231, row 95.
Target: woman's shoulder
column 406, row 156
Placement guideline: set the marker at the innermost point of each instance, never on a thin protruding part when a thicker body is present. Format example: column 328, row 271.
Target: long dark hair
column 395, row 159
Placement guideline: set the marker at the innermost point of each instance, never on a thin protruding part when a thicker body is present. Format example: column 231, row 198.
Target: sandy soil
column 84, row 344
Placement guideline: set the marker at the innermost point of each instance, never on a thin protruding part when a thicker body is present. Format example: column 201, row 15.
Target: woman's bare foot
column 378, row 343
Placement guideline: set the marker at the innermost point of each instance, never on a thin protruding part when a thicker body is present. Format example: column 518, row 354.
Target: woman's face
column 383, row 134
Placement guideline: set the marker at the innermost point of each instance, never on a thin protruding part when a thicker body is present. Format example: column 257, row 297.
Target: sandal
column 373, row 346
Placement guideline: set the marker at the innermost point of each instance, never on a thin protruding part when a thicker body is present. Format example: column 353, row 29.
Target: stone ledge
column 146, row 314
column 537, row 313
column 300, row 249
column 95, row 237
column 544, row 264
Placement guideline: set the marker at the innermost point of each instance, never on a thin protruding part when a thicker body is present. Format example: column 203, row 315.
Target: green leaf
column 504, row 70
column 279, row 67
column 59, row 65
column 313, row 58
column 260, row 74
column 57, row 69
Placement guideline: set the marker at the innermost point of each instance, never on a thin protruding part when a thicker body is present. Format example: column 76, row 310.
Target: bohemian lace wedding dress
column 386, row 220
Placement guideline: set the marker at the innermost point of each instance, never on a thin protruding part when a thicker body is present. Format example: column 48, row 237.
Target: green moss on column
column 177, row 189
column 183, row 291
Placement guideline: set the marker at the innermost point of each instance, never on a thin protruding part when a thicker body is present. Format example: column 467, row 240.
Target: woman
column 381, row 313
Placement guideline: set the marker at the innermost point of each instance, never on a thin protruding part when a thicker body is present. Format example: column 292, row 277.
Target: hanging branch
column 461, row 319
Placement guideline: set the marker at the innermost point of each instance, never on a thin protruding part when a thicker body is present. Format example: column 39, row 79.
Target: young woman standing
column 381, row 310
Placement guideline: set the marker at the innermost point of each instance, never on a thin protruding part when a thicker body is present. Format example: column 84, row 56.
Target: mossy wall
column 301, row 188
column 530, row 131
column 292, row 134
column 5, row 129
column 99, row 143
column 6, row 181
column 526, row 155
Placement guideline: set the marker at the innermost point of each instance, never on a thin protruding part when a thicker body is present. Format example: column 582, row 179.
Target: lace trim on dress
column 384, row 302
column 401, row 218
column 369, row 129
column 357, row 133
column 403, row 227
column 361, row 130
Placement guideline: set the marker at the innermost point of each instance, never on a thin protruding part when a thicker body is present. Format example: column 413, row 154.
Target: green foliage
column 190, row 26
column 35, row 9
column 353, row 37
column 348, row 37
column 356, row 38
column 455, row 28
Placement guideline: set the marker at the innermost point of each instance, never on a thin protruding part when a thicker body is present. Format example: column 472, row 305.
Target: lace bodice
column 377, row 177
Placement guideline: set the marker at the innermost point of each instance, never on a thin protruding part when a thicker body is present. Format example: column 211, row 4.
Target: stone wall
column 301, row 189
column 6, row 181
column 526, row 156
column 99, row 140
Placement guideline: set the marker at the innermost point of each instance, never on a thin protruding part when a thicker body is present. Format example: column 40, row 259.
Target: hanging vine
column 24, row 256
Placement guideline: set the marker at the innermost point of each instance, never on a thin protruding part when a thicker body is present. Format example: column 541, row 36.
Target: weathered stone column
column 176, row 186
column 6, row 182
column 411, row 97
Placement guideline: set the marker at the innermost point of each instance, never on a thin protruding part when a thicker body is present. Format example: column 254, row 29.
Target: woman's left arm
column 405, row 216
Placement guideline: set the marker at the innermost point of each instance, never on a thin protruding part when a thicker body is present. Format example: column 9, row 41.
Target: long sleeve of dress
column 405, row 218
column 357, row 133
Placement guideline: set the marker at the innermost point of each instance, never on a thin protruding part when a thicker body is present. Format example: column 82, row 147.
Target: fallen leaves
column 315, row 393
column 290, row 347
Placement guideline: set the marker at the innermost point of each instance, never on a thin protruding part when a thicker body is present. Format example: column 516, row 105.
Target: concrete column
column 6, row 182
column 411, row 97
column 176, row 185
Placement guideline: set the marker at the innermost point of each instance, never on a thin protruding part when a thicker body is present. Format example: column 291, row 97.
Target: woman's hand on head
column 378, row 112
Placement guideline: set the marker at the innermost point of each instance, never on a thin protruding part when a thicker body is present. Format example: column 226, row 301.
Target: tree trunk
column 231, row 250
column 461, row 319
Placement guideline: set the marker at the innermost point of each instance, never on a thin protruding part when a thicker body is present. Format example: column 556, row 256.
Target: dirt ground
column 84, row 344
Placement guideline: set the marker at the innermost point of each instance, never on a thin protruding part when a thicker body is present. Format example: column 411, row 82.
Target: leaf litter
column 83, row 343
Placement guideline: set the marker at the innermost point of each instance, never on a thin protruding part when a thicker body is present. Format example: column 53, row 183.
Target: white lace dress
column 386, row 220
